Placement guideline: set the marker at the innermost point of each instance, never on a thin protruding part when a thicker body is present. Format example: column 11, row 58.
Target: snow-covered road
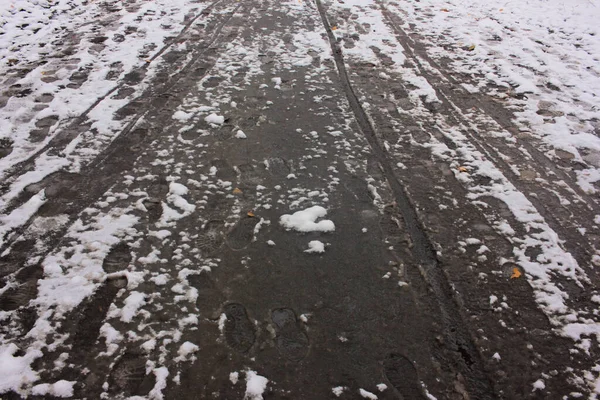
column 300, row 199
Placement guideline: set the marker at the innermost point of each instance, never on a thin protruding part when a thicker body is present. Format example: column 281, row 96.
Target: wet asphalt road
column 393, row 299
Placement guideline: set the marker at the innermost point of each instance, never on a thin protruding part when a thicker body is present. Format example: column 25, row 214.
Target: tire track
column 582, row 207
column 456, row 336
column 98, row 176
column 494, row 112
column 68, row 133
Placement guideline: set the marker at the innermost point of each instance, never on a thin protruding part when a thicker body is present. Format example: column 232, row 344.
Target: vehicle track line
column 457, row 337
column 119, row 148
column 59, row 142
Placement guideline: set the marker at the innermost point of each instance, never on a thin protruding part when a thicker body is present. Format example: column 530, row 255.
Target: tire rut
column 60, row 141
column 456, row 335
column 96, row 177
column 558, row 217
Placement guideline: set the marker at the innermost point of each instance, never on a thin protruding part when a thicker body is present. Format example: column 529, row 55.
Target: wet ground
column 171, row 233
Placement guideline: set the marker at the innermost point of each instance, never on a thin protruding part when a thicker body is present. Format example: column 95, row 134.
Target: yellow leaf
column 516, row 273
column 334, row 28
column 463, row 169
column 251, row 214
column 237, row 191
column 471, row 47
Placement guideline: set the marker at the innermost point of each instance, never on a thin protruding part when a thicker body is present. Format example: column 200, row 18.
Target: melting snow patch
column 132, row 304
column 182, row 116
column 215, row 119
column 234, row 377
column 304, row 221
column 255, row 386
column 177, row 189
column 16, row 371
column 185, row 350
column 240, row 135
column 60, row 388
column 315, row 246
column 161, row 382
column 367, row 395
column 538, row 385
column 338, row 390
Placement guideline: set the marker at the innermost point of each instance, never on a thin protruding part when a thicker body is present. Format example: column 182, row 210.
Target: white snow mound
column 315, row 246
column 215, row 119
column 304, row 221
column 255, row 386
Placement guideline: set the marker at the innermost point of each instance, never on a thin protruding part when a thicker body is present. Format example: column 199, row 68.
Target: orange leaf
column 237, row 191
column 463, row 169
column 334, row 28
column 516, row 273
column 445, row 10
column 251, row 214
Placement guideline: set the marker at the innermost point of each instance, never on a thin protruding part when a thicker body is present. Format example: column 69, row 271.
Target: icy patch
column 304, row 221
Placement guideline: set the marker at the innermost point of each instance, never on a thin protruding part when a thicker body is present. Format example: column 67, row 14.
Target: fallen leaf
column 471, row 47
column 516, row 273
column 237, row 191
column 251, row 214
column 445, row 10
column 334, row 28
column 463, row 169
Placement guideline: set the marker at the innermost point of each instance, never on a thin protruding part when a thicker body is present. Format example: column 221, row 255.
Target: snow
column 539, row 385
column 255, row 386
column 16, row 370
column 338, row 390
column 234, row 377
column 215, row 119
column 315, row 246
column 20, row 215
column 305, row 220
column 182, row 116
column 132, row 304
column 382, row 387
column 178, row 189
column 240, row 135
column 222, row 321
column 60, row 388
column 367, row 395
column 161, row 375
column 185, row 350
